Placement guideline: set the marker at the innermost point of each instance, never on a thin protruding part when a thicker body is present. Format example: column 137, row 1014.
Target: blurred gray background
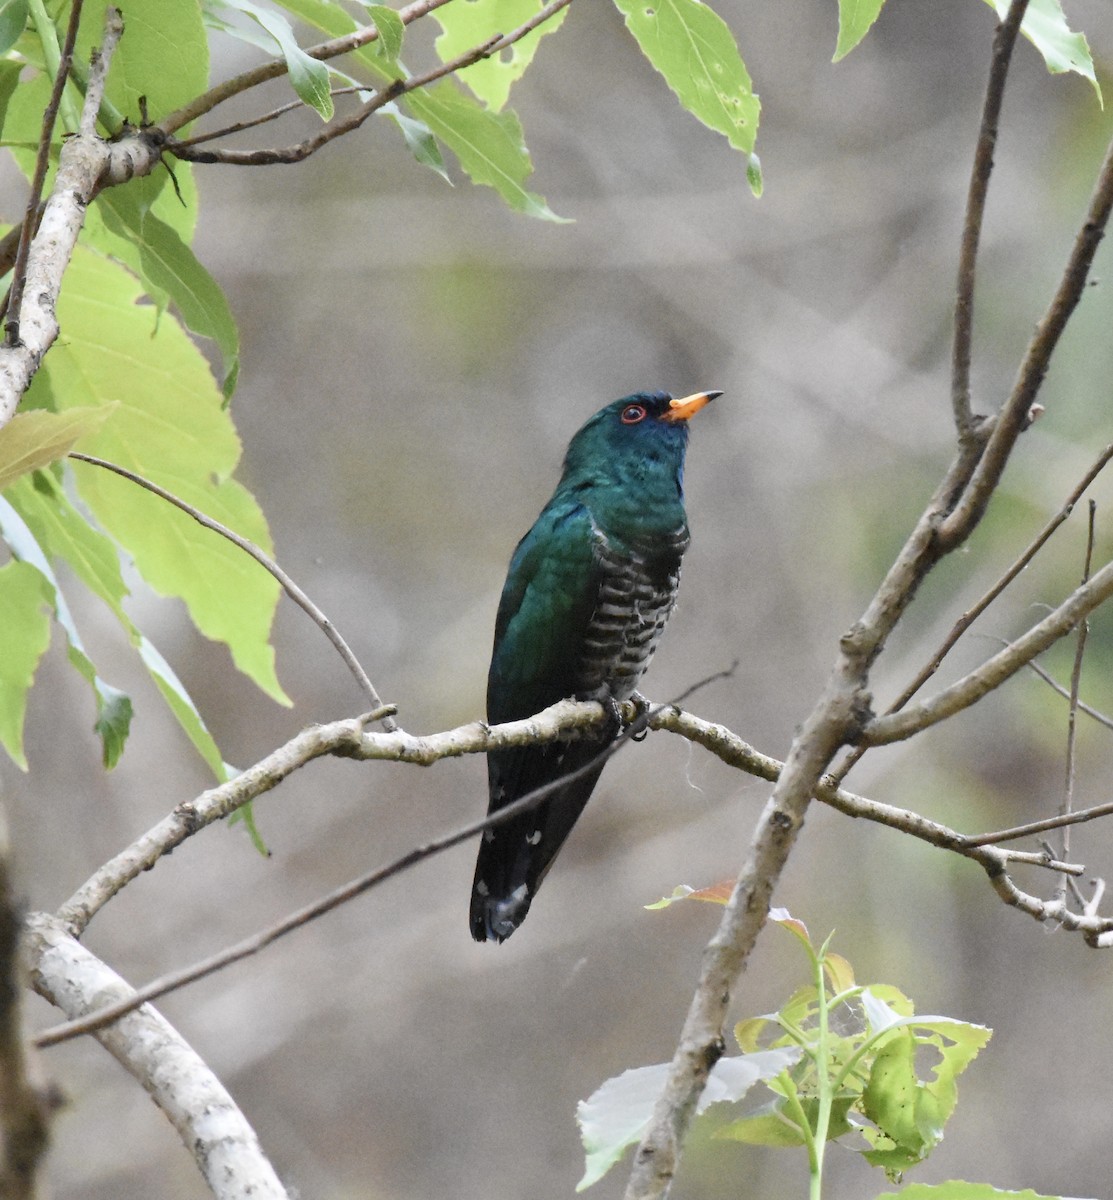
column 415, row 359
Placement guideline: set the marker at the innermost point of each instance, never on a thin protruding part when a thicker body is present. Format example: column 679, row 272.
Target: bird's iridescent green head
column 639, row 439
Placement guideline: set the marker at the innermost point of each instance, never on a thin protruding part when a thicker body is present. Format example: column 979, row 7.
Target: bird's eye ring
column 633, row 413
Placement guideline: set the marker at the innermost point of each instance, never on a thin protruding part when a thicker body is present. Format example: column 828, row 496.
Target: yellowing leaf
column 35, row 439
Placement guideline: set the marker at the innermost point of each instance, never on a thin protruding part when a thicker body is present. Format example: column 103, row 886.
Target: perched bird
column 588, row 591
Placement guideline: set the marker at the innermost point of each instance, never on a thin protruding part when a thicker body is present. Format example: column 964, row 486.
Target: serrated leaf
column 694, row 50
column 34, row 439
column 309, row 77
column 856, row 18
column 910, row 1112
column 1045, row 26
column 169, row 267
column 172, row 427
column 13, row 21
column 24, row 637
column 488, row 145
column 114, row 710
column 470, row 23
column 617, row 1114
column 958, row 1189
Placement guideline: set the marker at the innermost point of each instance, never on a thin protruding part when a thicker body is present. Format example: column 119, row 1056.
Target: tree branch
column 1003, row 42
column 14, row 301
column 727, row 746
column 992, row 673
column 206, row 1117
column 86, row 164
column 1014, row 413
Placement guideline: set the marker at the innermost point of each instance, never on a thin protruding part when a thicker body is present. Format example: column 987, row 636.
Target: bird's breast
column 636, row 594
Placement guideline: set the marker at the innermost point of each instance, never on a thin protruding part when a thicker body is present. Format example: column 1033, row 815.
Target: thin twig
column 1014, row 414
column 1067, row 803
column 264, row 560
column 1089, row 710
column 14, row 301
column 265, row 118
column 994, row 671
column 975, row 611
column 1031, row 828
column 1003, row 42
column 277, row 67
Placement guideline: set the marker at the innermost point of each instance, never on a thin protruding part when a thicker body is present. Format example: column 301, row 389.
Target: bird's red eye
column 632, row 414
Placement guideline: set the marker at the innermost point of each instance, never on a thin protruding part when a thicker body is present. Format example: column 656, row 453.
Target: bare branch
column 1003, row 43
column 975, row 611
column 264, row 560
column 1014, row 413
column 210, row 1125
column 1067, row 803
column 1088, row 709
column 992, row 673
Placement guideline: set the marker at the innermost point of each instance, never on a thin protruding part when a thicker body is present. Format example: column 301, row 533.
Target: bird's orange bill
column 685, row 409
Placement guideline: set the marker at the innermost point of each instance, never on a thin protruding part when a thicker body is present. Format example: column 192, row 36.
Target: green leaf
column 1045, row 26
column 24, row 637
column 856, row 18
column 31, row 440
column 171, row 426
column 169, row 267
column 774, row 1124
column 114, row 710
column 419, row 138
column 909, row 1112
column 64, row 534
column 13, row 21
column 391, row 30
column 174, row 693
column 618, row 1113
column 163, row 55
column 694, row 49
column 308, row 76
column 957, row 1189
column 470, row 23
column 489, row 145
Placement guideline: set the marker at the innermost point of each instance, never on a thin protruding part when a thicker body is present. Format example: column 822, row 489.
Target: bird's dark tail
column 514, row 857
